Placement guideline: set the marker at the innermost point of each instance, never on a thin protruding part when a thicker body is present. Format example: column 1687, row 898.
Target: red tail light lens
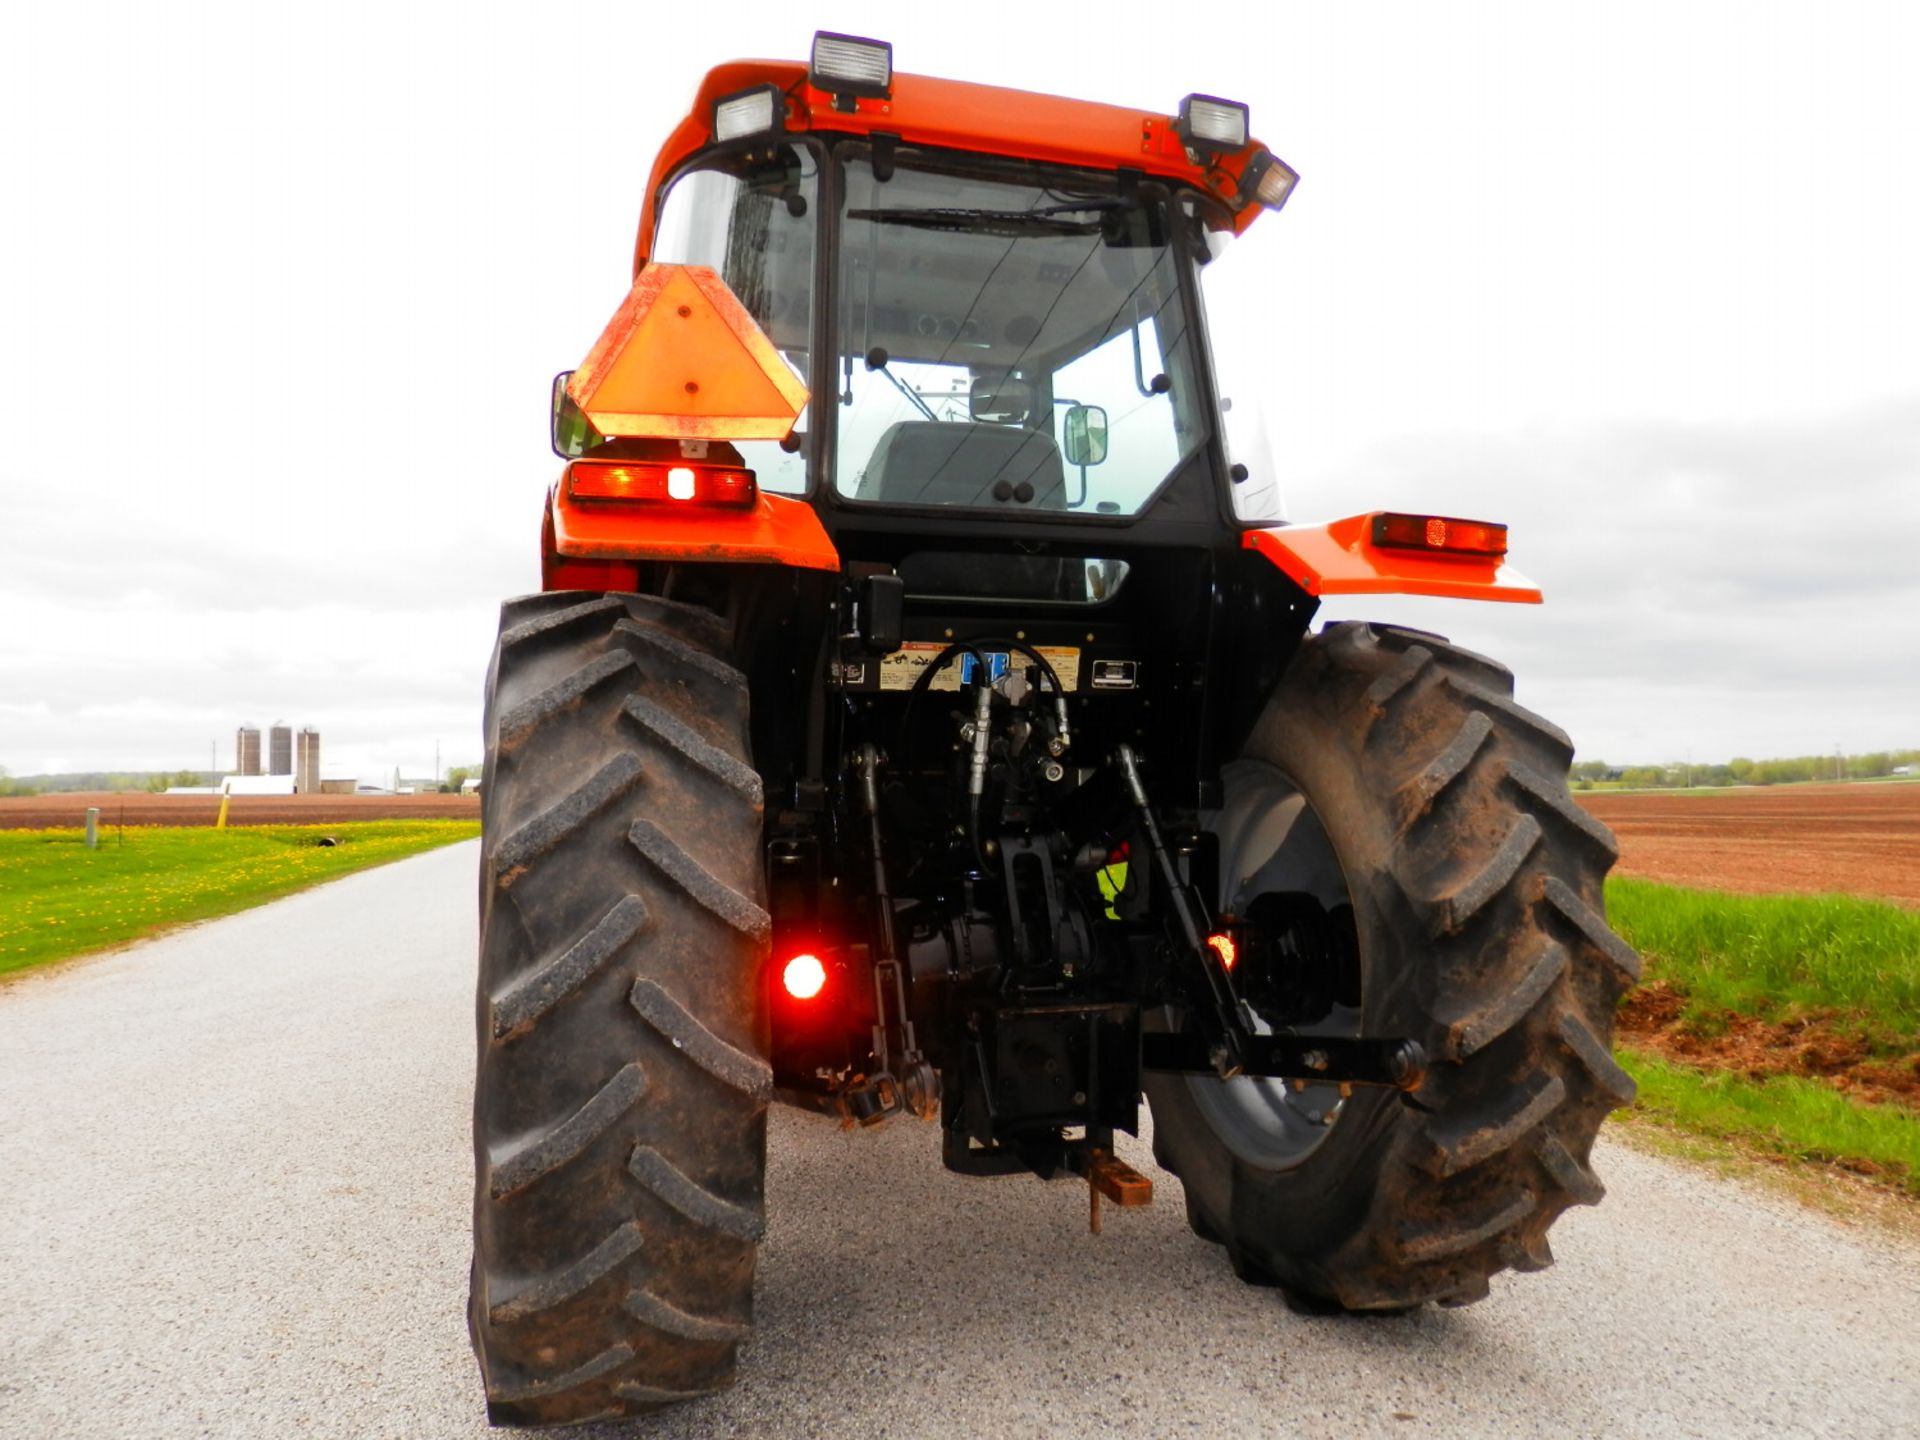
column 652, row 481
column 1224, row 947
column 804, row 977
column 1440, row 534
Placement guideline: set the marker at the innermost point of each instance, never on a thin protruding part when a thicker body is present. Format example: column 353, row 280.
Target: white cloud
column 1688, row 610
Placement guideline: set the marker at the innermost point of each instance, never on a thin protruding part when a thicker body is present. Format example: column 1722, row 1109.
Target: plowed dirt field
column 1863, row 839
column 39, row 812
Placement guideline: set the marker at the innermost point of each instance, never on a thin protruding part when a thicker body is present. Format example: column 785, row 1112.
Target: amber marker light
column 804, row 977
column 1223, row 946
column 722, row 485
column 1441, row 534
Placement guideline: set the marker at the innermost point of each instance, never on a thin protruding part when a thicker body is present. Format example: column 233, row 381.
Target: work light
column 749, row 113
column 1210, row 125
column 1268, row 179
column 849, row 65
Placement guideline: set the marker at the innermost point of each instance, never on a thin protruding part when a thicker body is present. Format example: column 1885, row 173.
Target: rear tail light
column 648, row 480
column 1440, row 534
column 804, row 977
column 1223, row 947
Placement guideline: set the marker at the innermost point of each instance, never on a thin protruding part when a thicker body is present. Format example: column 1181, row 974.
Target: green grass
column 59, row 899
column 1785, row 1115
column 1778, row 957
column 1852, row 963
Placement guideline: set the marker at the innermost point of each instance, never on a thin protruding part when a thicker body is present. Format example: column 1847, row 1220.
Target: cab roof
column 959, row 115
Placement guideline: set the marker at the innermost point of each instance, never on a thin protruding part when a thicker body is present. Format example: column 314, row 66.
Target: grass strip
column 1778, row 957
column 1785, row 1115
column 59, row 899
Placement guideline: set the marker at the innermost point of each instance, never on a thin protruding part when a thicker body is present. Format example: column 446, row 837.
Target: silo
column 246, row 751
column 280, row 749
column 306, row 766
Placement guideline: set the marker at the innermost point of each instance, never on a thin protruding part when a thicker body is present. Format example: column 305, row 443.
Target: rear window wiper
column 1047, row 220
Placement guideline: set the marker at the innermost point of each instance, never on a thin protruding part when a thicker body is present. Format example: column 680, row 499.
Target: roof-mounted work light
column 751, row 112
column 1268, row 179
column 1208, row 125
column 851, row 67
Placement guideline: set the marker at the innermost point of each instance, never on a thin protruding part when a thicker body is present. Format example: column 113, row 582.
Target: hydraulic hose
column 1063, row 736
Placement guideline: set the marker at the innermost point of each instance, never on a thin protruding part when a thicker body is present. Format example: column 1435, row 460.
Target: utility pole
column 436, row 764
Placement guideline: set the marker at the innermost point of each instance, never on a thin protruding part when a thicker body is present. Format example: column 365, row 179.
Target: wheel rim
column 1274, row 845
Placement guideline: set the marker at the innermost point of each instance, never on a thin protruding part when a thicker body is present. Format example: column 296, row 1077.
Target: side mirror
column 999, row 400
column 1084, row 430
column 573, row 433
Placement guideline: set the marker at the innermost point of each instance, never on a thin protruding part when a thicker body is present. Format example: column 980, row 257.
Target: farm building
column 257, row 785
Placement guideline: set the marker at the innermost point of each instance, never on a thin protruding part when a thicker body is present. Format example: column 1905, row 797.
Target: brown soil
column 40, row 812
column 1862, row 839
column 1814, row 1048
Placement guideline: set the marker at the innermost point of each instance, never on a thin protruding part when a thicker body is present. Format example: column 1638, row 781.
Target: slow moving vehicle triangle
column 682, row 359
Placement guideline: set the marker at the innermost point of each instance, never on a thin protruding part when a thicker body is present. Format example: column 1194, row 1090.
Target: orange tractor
column 920, row 717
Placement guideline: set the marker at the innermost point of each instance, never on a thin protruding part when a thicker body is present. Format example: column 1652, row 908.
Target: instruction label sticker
column 902, row 668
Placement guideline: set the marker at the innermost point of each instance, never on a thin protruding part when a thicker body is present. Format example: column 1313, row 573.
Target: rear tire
column 620, row 1102
column 1440, row 807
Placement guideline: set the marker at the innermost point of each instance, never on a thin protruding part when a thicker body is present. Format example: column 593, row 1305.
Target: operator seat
column 929, row 462
column 932, row 462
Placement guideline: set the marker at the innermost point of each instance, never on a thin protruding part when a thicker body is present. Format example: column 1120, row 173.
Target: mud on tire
column 620, row 1104
column 1475, row 885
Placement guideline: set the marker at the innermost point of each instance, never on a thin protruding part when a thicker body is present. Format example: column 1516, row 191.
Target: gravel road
column 235, row 1169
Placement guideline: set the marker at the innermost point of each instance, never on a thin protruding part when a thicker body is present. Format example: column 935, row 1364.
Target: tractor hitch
column 1319, row 1059
column 1110, row 1177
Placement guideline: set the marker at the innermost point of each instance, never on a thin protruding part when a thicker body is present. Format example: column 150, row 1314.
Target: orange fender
column 774, row 530
column 1340, row 558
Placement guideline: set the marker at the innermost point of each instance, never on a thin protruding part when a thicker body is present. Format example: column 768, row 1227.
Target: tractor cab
column 1004, row 338
column 992, row 298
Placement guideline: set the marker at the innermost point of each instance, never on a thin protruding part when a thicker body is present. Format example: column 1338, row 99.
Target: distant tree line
column 1742, row 771
column 148, row 780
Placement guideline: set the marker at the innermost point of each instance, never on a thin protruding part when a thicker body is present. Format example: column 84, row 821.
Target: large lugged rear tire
column 1394, row 772
column 620, row 1104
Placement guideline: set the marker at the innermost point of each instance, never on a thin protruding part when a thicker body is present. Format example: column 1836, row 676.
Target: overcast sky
column 282, row 287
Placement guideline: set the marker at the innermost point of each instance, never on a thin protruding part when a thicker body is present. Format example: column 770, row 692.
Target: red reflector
column 1224, row 947
column 1441, row 534
column 804, row 977
column 649, row 480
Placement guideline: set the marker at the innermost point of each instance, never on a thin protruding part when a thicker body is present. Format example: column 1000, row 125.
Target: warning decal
column 902, row 668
